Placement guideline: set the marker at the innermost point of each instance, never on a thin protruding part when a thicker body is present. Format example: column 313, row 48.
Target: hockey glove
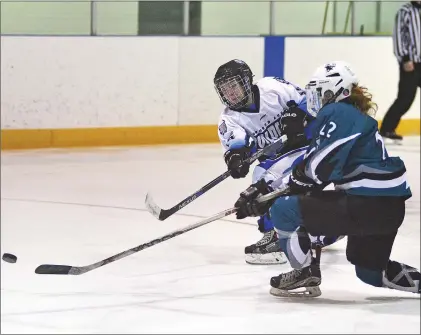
column 298, row 182
column 247, row 204
column 235, row 160
column 293, row 122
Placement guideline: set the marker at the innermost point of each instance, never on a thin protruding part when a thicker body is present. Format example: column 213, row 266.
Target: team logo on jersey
column 329, row 67
column 223, row 128
column 269, row 133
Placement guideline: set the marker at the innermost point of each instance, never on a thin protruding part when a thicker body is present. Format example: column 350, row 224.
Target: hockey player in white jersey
column 254, row 116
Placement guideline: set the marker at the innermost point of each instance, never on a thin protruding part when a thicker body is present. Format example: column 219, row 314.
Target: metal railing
column 329, row 14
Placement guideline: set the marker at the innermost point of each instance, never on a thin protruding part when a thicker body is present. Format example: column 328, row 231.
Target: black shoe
column 391, row 135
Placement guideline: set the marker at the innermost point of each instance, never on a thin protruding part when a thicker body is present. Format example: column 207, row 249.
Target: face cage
column 315, row 99
column 234, row 92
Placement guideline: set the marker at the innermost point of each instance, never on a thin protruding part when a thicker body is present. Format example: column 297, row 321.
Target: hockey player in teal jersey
column 367, row 205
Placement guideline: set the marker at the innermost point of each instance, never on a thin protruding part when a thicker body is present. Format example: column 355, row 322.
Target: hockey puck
column 9, row 258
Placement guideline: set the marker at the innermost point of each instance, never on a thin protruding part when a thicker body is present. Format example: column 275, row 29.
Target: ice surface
column 77, row 207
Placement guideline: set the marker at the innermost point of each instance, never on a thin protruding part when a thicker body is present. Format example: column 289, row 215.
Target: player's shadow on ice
column 401, row 305
column 379, row 304
column 366, row 301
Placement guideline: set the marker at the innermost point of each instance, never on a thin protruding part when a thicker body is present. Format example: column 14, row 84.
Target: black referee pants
column 407, row 89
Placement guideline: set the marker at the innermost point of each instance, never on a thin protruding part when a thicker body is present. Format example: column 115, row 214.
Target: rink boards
column 159, row 90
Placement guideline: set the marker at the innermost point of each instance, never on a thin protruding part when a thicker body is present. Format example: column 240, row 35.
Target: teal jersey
column 348, row 151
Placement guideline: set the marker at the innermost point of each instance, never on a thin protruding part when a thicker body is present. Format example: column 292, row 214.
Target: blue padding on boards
column 274, row 56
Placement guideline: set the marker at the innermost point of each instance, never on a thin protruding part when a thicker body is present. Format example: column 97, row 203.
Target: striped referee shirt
column 406, row 34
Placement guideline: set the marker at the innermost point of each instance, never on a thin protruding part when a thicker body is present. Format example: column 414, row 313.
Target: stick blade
column 48, row 269
column 152, row 207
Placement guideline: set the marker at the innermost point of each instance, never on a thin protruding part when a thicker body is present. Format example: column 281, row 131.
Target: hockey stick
column 162, row 214
column 76, row 270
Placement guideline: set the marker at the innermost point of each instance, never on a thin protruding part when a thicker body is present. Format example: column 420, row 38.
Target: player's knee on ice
column 370, row 277
column 398, row 276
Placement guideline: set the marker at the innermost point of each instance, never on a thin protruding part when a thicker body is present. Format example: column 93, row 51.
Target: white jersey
column 263, row 125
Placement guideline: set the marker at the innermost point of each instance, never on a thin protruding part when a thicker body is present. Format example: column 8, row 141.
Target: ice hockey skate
column 402, row 277
column 303, row 282
column 266, row 251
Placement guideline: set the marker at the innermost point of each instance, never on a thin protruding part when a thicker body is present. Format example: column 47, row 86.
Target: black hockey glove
column 298, row 182
column 293, row 122
column 247, row 204
column 235, row 160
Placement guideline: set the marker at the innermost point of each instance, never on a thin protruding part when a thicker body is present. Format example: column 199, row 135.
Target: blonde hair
column 362, row 99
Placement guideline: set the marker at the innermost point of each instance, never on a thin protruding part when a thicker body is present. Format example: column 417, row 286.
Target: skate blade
column 302, row 292
column 271, row 258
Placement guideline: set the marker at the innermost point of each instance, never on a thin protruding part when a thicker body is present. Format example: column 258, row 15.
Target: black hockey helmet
column 233, row 81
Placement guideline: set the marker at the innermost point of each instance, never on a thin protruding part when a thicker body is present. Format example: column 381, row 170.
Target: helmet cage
column 234, row 91
column 320, row 92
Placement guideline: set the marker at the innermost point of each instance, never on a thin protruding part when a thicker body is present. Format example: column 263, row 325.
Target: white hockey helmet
column 330, row 82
